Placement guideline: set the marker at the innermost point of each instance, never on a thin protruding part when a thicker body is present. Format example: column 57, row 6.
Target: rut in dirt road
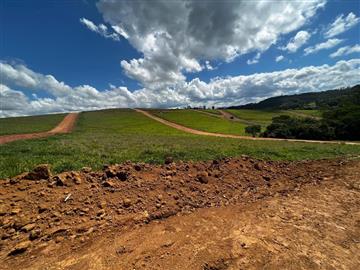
column 205, row 133
column 65, row 126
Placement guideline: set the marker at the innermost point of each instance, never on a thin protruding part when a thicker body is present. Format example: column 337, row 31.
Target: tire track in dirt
column 65, row 126
column 205, row 133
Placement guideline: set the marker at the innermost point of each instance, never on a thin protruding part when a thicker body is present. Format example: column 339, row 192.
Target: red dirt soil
column 65, row 126
column 199, row 132
column 238, row 213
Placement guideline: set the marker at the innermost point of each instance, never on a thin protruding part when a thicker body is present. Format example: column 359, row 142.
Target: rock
column 122, row 175
column 76, row 178
column 34, row 234
column 168, row 160
column 29, row 227
column 100, row 213
column 61, row 179
column 15, row 211
column 108, row 183
column 258, row 166
column 110, row 171
column 86, row 169
column 40, row 172
column 20, row 248
column 42, row 208
column 3, row 210
column 266, row 178
column 203, row 177
column 137, row 167
column 127, row 202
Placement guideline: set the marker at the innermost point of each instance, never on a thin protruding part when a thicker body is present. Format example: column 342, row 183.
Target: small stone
column 77, row 178
column 20, row 248
column 123, row 176
column 137, row 167
column 127, row 202
column 86, row 169
column 100, row 213
column 108, row 183
column 15, row 211
column 203, row 177
column 257, row 166
column 40, row 172
column 35, row 234
column 266, row 178
column 29, row 227
column 168, row 160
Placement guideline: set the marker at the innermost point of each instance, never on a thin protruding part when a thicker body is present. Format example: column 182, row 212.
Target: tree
column 253, row 130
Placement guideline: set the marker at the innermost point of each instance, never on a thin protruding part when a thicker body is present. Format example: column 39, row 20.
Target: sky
column 60, row 56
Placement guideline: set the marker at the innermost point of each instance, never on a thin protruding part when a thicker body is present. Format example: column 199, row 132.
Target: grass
column 114, row 136
column 200, row 121
column 216, row 112
column 256, row 116
column 312, row 113
column 29, row 124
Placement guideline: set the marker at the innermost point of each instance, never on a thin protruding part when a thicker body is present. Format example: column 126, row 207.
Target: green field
column 114, row 136
column 264, row 118
column 258, row 117
column 216, row 112
column 312, row 113
column 15, row 125
column 200, row 121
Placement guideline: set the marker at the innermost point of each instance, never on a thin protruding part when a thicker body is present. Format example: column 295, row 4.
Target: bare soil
column 238, row 213
column 205, row 133
column 65, row 126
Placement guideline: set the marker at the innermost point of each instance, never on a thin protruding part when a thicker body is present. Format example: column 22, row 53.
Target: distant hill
column 312, row 100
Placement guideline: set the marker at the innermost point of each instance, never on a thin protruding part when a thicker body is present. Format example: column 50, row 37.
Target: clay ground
column 236, row 213
column 65, row 126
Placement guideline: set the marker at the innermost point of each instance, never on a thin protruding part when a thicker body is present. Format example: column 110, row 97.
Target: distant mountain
column 311, row 100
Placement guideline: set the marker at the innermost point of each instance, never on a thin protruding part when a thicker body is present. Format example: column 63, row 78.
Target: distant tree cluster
column 341, row 122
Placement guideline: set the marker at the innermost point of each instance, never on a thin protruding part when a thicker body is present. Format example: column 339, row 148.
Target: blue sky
column 168, row 54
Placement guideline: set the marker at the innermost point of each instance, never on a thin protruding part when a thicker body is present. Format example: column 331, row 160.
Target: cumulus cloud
column 346, row 51
column 297, row 41
column 279, row 58
column 103, row 30
column 255, row 60
column 330, row 43
column 219, row 91
column 176, row 36
column 341, row 24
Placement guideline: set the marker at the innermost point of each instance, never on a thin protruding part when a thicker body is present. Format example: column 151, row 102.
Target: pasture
column 114, row 136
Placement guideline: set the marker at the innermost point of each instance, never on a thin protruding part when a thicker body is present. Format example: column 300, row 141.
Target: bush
column 253, row 130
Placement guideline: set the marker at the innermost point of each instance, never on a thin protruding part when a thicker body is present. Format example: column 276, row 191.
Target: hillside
column 312, row 100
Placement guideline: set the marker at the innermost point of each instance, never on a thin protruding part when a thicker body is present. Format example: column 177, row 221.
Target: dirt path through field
column 65, row 126
column 199, row 132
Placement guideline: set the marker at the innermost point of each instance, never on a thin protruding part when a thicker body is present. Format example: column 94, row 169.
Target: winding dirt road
column 205, row 133
column 65, row 126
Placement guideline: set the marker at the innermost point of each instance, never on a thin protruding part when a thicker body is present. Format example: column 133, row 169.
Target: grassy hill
column 312, row 100
column 114, row 136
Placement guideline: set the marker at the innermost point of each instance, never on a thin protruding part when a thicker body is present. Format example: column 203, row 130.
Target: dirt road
column 199, row 132
column 237, row 213
column 65, row 126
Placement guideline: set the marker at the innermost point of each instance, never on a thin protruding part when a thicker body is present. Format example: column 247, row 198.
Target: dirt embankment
column 65, row 126
column 224, row 214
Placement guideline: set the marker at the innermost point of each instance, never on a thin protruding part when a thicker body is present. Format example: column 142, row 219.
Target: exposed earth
column 238, row 213
column 65, row 126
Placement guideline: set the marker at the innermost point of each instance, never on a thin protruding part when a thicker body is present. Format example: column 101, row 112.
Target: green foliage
column 299, row 128
column 29, row 124
column 253, row 130
column 114, row 136
column 312, row 100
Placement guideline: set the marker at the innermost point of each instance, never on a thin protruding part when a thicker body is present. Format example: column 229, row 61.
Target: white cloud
column 346, row 51
column 330, row 43
column 176, row 36
column 279, row 58
column 296, row 42
column 103, row 30
column 255, row 60
column 341, row 24
column 219, row 91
